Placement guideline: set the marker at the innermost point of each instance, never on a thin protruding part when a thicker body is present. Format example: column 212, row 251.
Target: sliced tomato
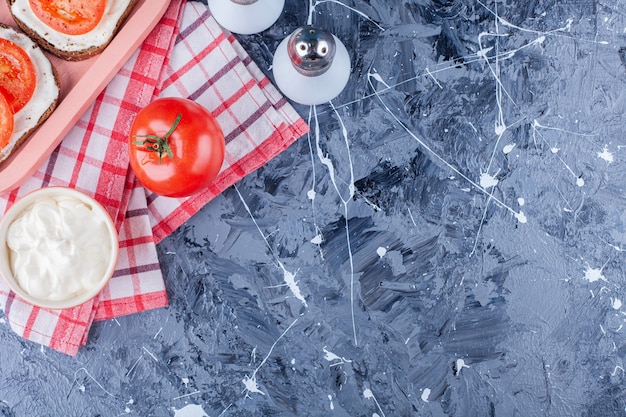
column 72, row 17
column 17, row 75
column 6, row 122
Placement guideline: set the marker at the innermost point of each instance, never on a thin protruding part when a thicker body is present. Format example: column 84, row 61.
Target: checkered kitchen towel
column 187, row 55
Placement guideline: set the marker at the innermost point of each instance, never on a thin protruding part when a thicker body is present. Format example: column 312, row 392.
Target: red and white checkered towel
column 186, row 55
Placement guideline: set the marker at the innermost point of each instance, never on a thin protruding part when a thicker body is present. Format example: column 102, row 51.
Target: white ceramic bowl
column 23, row 204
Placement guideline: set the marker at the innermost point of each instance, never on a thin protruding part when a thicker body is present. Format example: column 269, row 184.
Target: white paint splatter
column 617, row 368
column 521, row 217
column 290, row 280
column 81, row 387
column 381, row 251
column 288, row 277
column 127, row 408
column 251, row 386
column 368, row 394
column 190, row 410
column 487, row 181
column 317, row 240
column 425, row 394
column 460, row 364
column 332, row 405
column 311, row 194
column 594, row 274
column 152, row 355
column 508, row 148
column 328, row 163
column 313, row 5
column 616, row 303
column 436, row 82
column 536, row 134
column 482, row 53
column 378, row 78
column 411, row 216
column 606, row 155
column 249, row 382
column 521, row 201
column 424, row 145
column 331, row 357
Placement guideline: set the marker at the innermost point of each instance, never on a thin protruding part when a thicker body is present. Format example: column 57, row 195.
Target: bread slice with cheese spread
column 56, row 30
column 44, row 97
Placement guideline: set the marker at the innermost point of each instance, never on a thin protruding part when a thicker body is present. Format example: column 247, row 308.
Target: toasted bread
column 44, row 99
column 72, row 47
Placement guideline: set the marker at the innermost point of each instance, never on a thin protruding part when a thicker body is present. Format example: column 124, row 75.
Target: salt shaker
column 246, row 17
column 311, row 66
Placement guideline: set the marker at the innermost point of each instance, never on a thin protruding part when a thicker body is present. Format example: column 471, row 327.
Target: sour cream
column 59, row 248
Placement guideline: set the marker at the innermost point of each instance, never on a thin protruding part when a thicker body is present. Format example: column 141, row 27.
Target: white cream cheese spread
column 46, row 90
column 97, row 37
column 59, row 247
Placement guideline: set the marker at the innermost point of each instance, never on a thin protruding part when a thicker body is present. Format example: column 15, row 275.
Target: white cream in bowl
column 59, row 247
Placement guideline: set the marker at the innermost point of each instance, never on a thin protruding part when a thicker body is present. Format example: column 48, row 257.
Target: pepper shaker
column 246, row 17
column 311, row 66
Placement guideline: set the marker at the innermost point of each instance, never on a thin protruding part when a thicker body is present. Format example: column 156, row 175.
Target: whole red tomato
column 176, row 147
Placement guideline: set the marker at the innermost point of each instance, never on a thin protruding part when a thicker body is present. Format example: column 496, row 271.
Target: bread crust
column 71, row 55
column 43, row 116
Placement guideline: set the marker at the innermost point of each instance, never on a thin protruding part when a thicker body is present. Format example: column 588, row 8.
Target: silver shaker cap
column 311, row 50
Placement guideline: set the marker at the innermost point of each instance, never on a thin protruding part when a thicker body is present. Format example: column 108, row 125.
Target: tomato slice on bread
column 18, row 78
column 72, row 17
column 6, row 122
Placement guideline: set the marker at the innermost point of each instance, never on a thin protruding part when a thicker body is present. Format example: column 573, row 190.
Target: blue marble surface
column 448, row 241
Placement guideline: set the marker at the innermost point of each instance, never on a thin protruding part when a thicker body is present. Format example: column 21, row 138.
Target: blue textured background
column 464, row 256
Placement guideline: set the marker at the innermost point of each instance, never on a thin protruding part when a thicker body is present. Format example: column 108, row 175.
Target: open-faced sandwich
column 71, row 29
column 29, row 89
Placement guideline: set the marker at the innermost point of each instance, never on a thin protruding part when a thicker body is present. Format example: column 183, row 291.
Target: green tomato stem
column 158, row 144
